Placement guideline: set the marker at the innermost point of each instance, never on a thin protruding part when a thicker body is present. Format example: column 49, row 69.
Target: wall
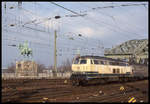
column 40, row 75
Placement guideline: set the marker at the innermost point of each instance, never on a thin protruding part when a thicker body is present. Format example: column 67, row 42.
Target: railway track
column 115, row 95
column 58, row 91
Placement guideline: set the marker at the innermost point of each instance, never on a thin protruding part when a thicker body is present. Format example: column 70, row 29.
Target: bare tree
column 40, row 68
column 66, row 66
column 11, row 68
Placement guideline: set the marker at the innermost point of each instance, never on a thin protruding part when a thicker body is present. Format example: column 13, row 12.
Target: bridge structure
column 132, row 50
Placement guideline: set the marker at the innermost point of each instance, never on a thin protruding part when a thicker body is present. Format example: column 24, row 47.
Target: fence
column 40, row 76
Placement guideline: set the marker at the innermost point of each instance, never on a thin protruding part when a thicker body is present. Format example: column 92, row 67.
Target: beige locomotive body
column 97, row 69
column 102, row 66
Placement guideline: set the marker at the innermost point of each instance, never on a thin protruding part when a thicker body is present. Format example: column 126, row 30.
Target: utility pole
column 55, row 53
column 55, row 50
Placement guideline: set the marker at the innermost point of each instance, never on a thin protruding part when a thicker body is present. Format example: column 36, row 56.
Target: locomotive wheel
column 125, row 79
column 78, row 83
column 82, row 82
column 102, row 81
column 120, row 80
column 75, row 83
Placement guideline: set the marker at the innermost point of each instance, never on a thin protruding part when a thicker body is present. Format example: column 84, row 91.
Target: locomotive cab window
column 83, row 61
column 91, row 61
column 111, row 63
column 76, row 61
column 127, row 64
column 122, row 64
column 19, row 65
column 96, row 62
column 101, row 62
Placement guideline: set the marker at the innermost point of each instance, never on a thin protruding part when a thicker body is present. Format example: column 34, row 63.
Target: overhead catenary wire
column 49, row 44
column 40, row 30
column 68, row 48
column 25, row 40
column 48, row 18
column 83, row 45
column 33, row 28
column 63, row 43
column 114, row 6
column 116, row 20
column 119, row 27
column 43, row 20
column 33, row 42
column 26, row 36
column 77, row 38
column 37, row 47
column 98, row 11
column 30, row 28
column 135, row 26
column 77, row 45
column 64, row 16
column 65, row 8
column 99, row 24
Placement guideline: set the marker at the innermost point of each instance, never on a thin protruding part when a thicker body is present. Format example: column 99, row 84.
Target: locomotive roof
column 101, row 57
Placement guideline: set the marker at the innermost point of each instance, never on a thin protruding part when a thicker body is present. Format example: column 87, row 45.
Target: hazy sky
column 100, row 28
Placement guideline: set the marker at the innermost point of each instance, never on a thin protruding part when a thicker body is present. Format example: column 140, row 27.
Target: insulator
column 11, row 7
column 19, row 4
column 57, row 17
column 79, row 35
column 12, row 25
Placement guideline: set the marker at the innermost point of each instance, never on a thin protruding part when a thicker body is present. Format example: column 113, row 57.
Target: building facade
column 26, row 69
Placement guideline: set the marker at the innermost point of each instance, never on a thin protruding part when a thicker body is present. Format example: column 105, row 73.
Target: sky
column 100, row 28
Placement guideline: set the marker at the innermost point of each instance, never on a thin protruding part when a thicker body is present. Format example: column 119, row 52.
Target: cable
column 23, row 35
column 122, row 29
column 122, row 5
column 65, row 8
column 33, row 42
column 126, row 22
column 30, row 28
column 25, row 40
column 119, row 27
column 67, row 44
column 96, row 22
column 48, row 18
column 101, row 13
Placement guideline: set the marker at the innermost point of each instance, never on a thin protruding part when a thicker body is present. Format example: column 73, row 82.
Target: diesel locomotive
column 100, row 69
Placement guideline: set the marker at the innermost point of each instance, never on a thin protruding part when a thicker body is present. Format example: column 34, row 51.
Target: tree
column 66, row 66
column 40, row 68
column 11, row 68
